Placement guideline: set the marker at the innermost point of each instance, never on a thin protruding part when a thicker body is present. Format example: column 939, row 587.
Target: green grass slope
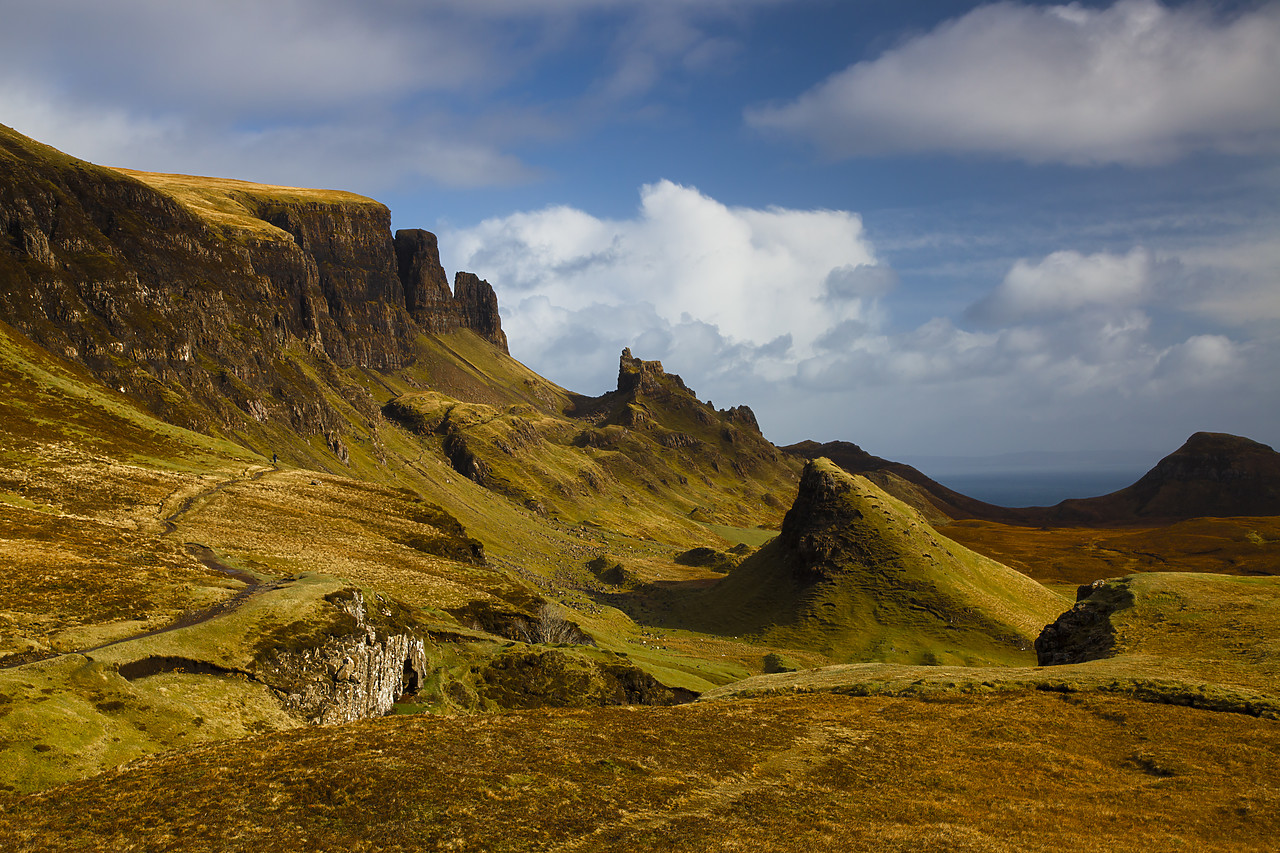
column 859, row 575
column 1206, row 641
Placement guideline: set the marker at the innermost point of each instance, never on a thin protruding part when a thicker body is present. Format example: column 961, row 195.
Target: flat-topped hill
column 1211, row 475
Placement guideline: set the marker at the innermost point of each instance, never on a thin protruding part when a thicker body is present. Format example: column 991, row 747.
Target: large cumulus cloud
column 791, row 311
column 734, row 289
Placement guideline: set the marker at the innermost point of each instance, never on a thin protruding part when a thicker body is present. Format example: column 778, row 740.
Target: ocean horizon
column 1037, row 488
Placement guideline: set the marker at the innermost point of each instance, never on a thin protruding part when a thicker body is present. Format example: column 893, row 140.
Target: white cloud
column 761, row 279
column 287, row 56
column 1237, row 283
column 1067, row 281
column 317, row 92
column 1135, row 83
column 325, row 154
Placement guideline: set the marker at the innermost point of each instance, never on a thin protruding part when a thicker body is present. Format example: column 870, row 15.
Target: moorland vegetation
column 296, row 556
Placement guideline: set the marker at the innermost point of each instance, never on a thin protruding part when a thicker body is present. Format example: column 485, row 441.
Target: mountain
column 263, row 468
column 934, row 500
column 1211, row 475
column 224, row 306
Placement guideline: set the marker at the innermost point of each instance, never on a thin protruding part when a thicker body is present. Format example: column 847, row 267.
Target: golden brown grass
column 221, row 202
column 1006, row 773
column 1076, row 555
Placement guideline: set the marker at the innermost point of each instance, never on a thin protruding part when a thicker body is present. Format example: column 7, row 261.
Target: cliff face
column 216, row 303
column 472, row 304
column 349, row 677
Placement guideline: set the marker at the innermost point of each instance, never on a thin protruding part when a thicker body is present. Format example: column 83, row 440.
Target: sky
column 935, row 228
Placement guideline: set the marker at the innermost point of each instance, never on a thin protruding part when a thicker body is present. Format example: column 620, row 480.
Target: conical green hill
column 859, row 575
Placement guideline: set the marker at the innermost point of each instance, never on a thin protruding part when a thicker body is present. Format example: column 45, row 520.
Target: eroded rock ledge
column 350, row 676
column 1085, row 632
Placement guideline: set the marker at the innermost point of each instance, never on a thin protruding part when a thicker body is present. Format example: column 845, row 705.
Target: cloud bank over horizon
column 791, row 311
column 1136, row 83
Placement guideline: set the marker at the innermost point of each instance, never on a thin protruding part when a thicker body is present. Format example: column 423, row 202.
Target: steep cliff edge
column 217, row 304
column 350, row 676
column 471, row 305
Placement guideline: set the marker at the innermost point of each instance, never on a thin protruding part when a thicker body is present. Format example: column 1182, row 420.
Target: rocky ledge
column 349, row 676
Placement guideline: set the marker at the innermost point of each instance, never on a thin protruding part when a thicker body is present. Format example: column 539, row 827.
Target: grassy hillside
column 112, row 519
column 1186, row 639
column 859, row 575
column 233, row 206
column 1027, row 772
column 366, row 518
column 1068, row 556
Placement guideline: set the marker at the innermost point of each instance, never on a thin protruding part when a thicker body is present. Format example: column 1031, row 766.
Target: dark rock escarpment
column 212, row 321
column 471, row 305
column 478, row 305
column 825, row 530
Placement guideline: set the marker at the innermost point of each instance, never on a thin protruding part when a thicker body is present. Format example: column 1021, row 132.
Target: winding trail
column 254, row 586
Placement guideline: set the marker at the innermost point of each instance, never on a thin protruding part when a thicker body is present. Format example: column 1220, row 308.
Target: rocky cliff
column 218, row 304
column 1085, row 632
column 471, row 305
column 351, row 675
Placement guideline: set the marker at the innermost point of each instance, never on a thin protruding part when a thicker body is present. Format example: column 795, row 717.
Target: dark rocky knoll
column 205, row 319
column 1085, row 632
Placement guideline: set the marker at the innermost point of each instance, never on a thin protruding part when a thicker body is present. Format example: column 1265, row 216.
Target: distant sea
column 1037, row 488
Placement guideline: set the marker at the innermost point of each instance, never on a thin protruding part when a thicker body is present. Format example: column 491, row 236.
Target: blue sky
column 931, row 228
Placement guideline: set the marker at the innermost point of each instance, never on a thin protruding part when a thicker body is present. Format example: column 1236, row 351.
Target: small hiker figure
column 275, row 460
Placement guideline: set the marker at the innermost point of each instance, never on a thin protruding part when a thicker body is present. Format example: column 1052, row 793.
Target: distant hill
column 1211, row 475
column 934, row 500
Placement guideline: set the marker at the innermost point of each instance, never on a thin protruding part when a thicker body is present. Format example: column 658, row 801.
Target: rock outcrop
column 478, row 305
column 352, row 675
column 1084, row 632
column 471, row 305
